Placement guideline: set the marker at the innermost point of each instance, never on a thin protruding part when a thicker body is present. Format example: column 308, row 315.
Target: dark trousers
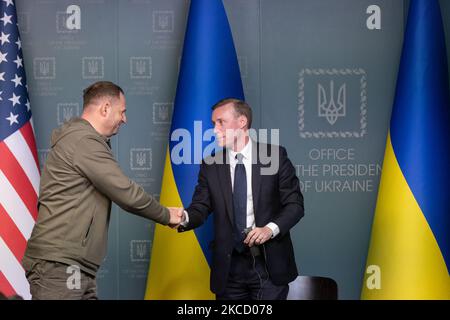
column 51, row 280
column 249, row 280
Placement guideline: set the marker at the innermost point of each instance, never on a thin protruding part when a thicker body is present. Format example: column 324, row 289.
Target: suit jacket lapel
column 225, row 183
column 256, row 177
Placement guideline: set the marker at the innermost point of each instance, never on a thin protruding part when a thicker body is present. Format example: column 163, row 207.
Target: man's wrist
column 275, row 229
column 185, row 221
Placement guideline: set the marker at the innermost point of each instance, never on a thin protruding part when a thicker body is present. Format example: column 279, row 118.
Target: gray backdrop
column 298, row 58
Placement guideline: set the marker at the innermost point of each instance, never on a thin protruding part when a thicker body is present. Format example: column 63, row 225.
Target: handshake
column 177, row 216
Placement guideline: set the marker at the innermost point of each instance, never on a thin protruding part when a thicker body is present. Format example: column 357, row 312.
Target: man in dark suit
column 255, row 196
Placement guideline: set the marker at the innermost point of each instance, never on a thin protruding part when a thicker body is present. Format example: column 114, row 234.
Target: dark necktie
column 240, row 203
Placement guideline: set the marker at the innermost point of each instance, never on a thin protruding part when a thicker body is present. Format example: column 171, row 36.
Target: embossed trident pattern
column 329, row 108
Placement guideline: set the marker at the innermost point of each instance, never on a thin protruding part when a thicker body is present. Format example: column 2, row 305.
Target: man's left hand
column 258, row 236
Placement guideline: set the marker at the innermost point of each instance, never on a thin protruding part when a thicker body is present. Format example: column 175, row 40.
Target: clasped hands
column 256, row 236
column 176, row 217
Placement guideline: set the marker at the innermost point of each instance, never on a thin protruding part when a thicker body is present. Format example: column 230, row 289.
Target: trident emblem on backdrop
column 44, row 68
column 332, row 109
column 93, row 66
column 141, row 250
column 163, row 21
column 164, row 113
column 68, row 113
column 141, row 66
column 141, row 158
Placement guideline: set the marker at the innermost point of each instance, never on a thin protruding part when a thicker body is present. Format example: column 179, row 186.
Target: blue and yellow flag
column 409, row 255
column 209, row 72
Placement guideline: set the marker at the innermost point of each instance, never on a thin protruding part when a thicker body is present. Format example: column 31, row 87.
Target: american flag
column 19, row 167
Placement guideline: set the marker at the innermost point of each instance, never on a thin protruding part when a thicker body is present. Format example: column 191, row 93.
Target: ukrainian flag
column 209, row 72
column 409, row 254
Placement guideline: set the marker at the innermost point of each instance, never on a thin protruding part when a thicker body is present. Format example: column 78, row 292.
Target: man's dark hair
column 100, row 89
column 241, row 108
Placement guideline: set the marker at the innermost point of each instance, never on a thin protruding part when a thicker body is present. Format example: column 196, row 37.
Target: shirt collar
column 246, row 151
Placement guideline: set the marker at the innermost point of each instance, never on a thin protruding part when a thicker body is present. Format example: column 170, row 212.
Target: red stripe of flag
column 12, row 236
column 5, row 287
column 28, row 134
column 18, row 179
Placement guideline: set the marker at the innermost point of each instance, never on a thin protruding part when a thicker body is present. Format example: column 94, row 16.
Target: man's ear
column 104, row 108
column 242, row 122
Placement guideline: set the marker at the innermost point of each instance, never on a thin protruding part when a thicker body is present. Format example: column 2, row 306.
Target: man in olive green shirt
column 78, row 183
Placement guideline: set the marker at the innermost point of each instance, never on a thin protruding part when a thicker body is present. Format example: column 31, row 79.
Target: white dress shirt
column 247, row 160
